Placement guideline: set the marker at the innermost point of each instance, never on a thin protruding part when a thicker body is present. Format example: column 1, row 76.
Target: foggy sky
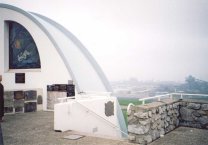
column 147, row 39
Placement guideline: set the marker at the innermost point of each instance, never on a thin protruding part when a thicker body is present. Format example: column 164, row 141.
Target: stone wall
column 149, row 122
column 194, row 114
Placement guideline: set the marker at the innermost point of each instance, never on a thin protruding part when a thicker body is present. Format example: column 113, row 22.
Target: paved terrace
column 37, row 129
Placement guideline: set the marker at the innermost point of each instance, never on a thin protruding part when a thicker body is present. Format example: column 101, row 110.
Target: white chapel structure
column 43, row 52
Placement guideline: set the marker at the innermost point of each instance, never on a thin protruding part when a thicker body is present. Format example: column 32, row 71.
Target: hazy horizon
column 148, row 40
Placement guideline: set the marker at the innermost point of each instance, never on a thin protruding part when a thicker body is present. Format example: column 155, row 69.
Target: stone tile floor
column 37, row 129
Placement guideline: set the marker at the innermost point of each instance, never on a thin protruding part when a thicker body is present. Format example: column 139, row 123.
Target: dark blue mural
column 23, row 52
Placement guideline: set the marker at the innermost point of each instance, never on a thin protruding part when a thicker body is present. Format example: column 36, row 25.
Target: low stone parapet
column 194, row 114
column 149, row 122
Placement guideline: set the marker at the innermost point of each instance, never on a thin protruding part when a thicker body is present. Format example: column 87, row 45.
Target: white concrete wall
column 89, row 117
column 52, row 69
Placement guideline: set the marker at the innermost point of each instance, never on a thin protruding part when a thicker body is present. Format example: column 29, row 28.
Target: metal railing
column 171, row 96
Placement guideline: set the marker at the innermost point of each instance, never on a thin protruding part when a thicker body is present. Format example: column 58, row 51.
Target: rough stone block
column 144, row 122
column 142, row 115
column 177, row 114
column 157, row 117
column 160, row 110
column 155, row 134
column 202, row 112
column 138, row 129
column 132, row 120
column 148, row 138
column 172, row 127
column 140, row 140
column 164, row 108
column 194, row 106
column 154, row 125
column 175, row 106
column 153, row 110
column 164, row 115
column 162, row 131
column 177, row 123
column 166, row 124
column 171, row 121
column 168, row 118
column 159, row 126
column 203, row 120
column 196, row 114
column 183, row 104
column 162, row 123
column 150, row 113
column 132, row 137
column 204, row 107
column 170, row 112
column 186, row 114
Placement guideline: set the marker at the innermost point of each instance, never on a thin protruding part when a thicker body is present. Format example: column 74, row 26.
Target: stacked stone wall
column 147, row 123
column 194, row 114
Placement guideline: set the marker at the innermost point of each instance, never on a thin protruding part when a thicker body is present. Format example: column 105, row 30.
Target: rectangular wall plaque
column 19, row 77
column 18, row 95
column 30, row 95
column 30, row 107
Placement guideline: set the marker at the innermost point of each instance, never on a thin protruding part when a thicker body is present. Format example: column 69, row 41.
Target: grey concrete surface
column 37, row 129
column 184, row 136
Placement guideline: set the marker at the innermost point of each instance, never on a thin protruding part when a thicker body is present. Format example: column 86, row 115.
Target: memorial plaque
column 50, row 87
column 30, row 107
column 8, row 95
column 70, row 94
column 70, row 88
column 18, row 109
column 62, row 87
column 19, row 103
column 18, row 95
column 19, row 77
column 109, row 108
column 56, row 88
column 30, row 95
column 8, row 109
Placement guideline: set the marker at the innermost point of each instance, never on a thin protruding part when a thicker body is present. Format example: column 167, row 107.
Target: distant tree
column 194, row 85
column 190, row 79
column 191, row 83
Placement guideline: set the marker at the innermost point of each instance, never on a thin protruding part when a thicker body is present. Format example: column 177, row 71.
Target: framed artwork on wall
column 23, row 52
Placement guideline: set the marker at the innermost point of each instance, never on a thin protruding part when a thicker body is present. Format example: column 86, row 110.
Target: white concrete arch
column 81, row 66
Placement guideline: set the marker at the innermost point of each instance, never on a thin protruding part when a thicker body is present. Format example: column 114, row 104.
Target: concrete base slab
column 73, row 137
